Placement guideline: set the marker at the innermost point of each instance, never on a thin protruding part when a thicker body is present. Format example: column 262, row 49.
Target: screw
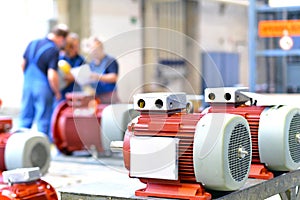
column 242, row 152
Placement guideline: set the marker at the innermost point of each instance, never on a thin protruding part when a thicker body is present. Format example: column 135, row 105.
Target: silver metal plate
column 226, row 95
column 154, row 157
column 21, row 175
column 160, row 101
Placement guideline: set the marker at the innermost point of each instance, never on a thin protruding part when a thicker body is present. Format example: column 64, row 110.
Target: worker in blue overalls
column 41, row 81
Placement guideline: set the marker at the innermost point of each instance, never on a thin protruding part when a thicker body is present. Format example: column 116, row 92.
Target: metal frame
column 252, row 24
column 286, row 185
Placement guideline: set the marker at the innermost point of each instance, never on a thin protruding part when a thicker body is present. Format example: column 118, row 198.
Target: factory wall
column 172, row 61
column 224, row 28
column 118, row 23
column 32, row 18
column 20, row 21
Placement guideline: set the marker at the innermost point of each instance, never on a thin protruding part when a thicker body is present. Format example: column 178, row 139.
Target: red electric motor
column 178, row 154
column 23, row 148
column 76, row 123
column 274, row 129
column 25, row 183
column 82, row 123
column 24, row 157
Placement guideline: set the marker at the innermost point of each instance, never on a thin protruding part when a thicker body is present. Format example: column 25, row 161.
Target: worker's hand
column 58, row 96
column 95, row 77
column 69, row 78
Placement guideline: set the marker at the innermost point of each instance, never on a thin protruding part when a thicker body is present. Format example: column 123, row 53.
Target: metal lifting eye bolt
column 242, row 152
column 297, row 137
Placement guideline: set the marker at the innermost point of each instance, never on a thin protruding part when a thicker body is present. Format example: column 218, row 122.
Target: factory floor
column 93, row 176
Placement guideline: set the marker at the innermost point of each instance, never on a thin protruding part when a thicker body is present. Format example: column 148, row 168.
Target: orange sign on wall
column 276, row 28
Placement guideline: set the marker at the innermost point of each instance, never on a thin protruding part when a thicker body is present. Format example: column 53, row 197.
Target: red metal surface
column 76, row 124
column 180, row 190
column 6, row 124
column 259, row 171
column 3, row 140
column 36, row 190
column 179, row 125
column 126, row 147
column 252, row 115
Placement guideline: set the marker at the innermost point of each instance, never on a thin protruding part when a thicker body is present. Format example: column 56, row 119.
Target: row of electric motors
column 178, row 154
column 175, row 152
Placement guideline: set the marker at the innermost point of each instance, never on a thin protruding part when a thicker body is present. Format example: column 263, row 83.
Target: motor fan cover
column 114, row 121
column 279, row 138
column 222, row 151
column 27, row 148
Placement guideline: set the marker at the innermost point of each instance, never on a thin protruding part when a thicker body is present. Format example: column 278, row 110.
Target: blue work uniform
column 74, row 62
column 37, row 98
column 107, row 65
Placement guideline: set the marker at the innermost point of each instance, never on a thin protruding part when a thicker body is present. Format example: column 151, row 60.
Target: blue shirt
column 74, row 62
column 107, row 65
column 48, row 59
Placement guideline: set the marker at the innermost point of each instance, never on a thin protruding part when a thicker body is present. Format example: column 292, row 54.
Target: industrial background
column 203, row 23
column 228, row 129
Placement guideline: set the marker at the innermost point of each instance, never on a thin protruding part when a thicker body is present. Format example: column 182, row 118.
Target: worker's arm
column 23, row 65
column 69, row 78
column 107, row 78
column 54, row 82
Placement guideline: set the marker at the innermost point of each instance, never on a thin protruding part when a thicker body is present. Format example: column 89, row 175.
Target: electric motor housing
column 274, row 129
column 212, row 149
column 26, row 183
column 76, row 123
column 80, row 123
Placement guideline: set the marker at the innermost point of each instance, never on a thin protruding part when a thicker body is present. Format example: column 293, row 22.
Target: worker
column 71, row 56
column 105, row 73
column 41, row 82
